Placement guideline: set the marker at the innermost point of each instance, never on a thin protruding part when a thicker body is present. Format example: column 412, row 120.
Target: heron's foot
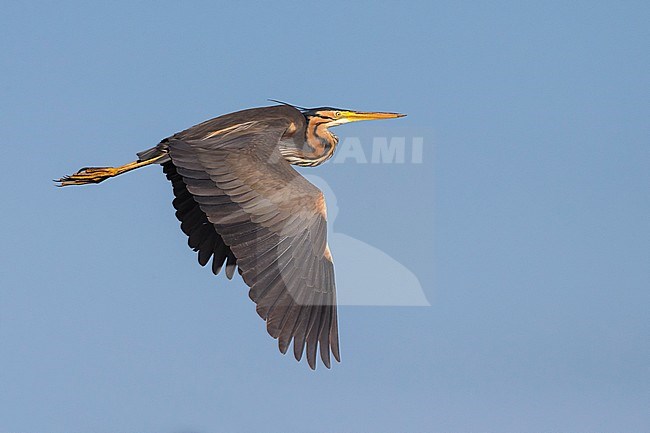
column 88, row 175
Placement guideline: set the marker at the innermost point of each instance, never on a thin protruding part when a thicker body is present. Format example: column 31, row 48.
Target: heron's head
column 336, row 116
column 328, row 116
column 319, row 142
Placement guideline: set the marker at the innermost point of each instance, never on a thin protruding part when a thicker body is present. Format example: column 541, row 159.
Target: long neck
column 318, row 145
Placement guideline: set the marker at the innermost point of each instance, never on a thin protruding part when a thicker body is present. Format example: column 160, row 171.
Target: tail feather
column 155, row 152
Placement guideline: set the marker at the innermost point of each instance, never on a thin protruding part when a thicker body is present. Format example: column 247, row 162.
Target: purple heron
column 242, row 204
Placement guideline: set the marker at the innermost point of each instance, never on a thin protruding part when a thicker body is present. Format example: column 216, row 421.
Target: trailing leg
column 88, row 175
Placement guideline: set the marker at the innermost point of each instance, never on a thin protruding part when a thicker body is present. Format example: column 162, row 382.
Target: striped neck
column 319, row 144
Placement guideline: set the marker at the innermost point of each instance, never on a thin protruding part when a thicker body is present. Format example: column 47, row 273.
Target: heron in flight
column 242, row 204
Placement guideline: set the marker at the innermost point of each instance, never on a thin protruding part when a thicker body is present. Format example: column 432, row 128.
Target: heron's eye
column 337, row 114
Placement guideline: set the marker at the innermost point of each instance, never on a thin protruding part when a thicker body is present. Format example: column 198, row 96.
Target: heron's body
column 241, row 204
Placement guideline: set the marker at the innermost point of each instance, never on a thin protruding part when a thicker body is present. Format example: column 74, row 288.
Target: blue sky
column 526, row 223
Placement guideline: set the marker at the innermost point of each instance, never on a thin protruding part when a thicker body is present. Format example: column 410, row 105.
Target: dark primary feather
column 240, row 202
column 202, row 236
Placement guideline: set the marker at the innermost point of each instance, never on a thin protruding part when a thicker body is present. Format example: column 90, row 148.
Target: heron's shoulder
column 277, row 115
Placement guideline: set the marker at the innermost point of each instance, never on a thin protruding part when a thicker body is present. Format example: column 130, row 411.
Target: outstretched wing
column 274, row 222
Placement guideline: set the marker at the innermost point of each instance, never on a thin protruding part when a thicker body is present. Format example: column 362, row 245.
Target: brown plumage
column 242, row 205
